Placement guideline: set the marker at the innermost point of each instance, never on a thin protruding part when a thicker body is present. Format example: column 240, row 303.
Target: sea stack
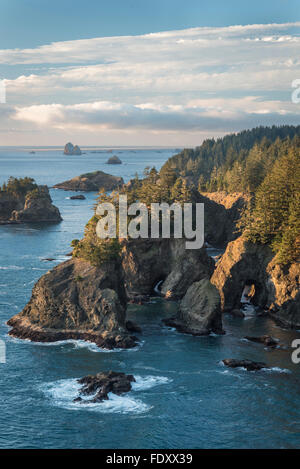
column 70, row 149
column 114, row 160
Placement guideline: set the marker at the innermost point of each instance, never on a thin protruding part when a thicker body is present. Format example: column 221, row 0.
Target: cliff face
column 76, row 301
column 199, row 310
column 91, row 182
column 276, row 287
column 35, row 207
column 148, row 261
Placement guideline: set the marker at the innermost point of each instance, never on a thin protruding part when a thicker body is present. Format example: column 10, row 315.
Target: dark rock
column 114, row 160
column 91, row 182
column 199, row 310
column 103, row 383
column 77, row 197
column 133, row 327
column 247, row 364
column 237, row 313
column 264, row 339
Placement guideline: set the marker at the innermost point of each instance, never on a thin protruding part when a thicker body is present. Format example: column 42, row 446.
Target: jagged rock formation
column 34, row 207
column 91, row 182
column 147, row 261
column 114, row 160
column 76, row 301
column 70, row 149
column 276, row 286
column 199, row 310
column 101, row 384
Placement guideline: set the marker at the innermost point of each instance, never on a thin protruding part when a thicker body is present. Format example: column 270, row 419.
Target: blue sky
column 28, row 23
column 145, row 72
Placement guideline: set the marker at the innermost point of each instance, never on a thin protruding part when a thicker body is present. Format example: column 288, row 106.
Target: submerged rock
column 78, row 197
column 76, row 301
column 114, row 160
column 103, row 383
column 249, row 365
column 199, row 310
column 264, row 339
column 91, row 182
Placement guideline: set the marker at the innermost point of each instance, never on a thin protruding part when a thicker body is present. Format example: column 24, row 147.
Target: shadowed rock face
column 199, row 310
column 76, row 301
column 276, row 287
column 34, row 207
column 91, row 182
column 147, row 261
column 103, row 383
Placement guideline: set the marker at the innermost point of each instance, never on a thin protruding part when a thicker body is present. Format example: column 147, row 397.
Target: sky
column 141, row 72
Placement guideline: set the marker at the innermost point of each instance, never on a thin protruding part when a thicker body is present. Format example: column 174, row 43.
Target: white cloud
column 171, row 81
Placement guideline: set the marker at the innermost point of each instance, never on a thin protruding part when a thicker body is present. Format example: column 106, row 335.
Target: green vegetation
column 19, row 187
column 263, row 162
column 93, row 249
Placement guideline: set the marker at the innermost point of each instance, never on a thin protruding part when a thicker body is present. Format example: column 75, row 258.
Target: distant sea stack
column 114, row 160
column 91, row 182
column 70, row 149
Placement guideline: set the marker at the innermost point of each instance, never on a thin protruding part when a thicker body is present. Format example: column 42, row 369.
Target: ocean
column 183, row 396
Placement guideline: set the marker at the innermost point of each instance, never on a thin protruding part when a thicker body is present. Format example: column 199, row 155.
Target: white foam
column 64, row 391
column 276, row 369
column 148, row 382
column 12, row 267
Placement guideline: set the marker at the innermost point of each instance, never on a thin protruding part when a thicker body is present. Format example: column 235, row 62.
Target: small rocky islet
column 23, row 201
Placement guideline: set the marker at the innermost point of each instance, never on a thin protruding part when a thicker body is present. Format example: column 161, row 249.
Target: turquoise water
column 183, row 396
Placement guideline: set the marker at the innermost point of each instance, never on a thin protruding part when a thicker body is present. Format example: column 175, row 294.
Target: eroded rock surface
column 76, row 301
column 199, row 310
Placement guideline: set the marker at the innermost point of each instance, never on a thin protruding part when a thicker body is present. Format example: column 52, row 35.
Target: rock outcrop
column 101, row 384
column 70, row 149
column 77, row 301
column 276, row 286
column 91, row 182
column 199, row 310
column 148, row 261
column 114, row 160
column 246, row 364
column 34, row 207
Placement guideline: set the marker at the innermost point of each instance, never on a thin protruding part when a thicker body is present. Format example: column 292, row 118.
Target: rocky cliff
column 76, row 301
column 34, row 207
column 148, row 261
column 276, row 287
column 91, row 182
column 199, row 310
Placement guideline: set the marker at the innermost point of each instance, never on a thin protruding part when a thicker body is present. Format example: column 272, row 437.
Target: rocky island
column 114, row 160
column 91, row 182
column 70, row 149
column 23, row 201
